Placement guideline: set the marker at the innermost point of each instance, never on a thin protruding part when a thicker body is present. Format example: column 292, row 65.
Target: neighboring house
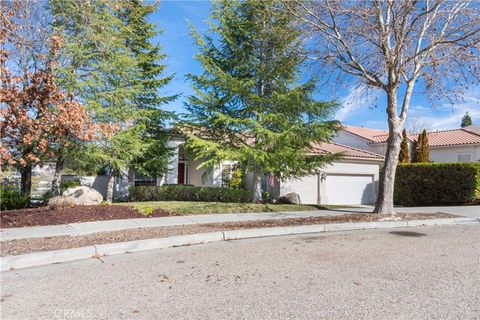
column 362, row 138
column 456, row 145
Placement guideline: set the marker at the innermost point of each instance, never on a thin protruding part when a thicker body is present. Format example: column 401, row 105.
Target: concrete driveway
column 416, row 273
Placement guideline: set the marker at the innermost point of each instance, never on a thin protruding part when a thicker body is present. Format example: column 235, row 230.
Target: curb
column 97, row 251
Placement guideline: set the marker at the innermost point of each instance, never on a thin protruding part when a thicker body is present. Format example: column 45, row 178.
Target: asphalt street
column 414, row 273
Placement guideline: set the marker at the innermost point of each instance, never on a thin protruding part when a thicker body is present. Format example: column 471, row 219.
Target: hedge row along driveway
column 431, row 184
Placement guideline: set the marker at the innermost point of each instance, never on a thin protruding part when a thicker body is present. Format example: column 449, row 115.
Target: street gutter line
column 102, row 250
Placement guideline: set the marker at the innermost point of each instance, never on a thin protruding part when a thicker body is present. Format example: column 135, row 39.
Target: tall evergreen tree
column 418, row 149
column 415, row 150
column 154, row 159
column 113, row 64
column 466, row 120
column 424, row 148
column 99, row 69
column 404, row 156
column 421, row 149
column 249, row 105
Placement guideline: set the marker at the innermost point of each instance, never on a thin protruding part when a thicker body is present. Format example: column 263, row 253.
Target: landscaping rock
column 60, row 202
column 290, row 198
column 83, row 195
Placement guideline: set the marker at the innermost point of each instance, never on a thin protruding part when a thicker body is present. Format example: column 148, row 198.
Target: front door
column 181, row 173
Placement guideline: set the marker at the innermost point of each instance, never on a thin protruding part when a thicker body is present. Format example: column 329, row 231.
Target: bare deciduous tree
column 396, row 46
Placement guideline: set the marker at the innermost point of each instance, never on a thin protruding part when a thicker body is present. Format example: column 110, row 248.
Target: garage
column 350, row 189
column 352, row 180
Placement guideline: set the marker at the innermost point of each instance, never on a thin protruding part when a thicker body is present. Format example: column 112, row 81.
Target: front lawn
column 190, row 207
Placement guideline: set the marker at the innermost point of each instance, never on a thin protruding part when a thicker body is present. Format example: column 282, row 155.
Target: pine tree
column 140, row 39
column 139, row 36
column 425, row 148
column 421, row 148
column 466, row 120
column 98, row 69
column 404, row 156
column 248, row 104
column 417, row 151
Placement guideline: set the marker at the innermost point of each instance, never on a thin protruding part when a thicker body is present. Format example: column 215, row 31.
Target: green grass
column 191, row 208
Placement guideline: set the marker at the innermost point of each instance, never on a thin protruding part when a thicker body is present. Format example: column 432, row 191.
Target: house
column 351, row 180
column 182, row 170
column 456, row 145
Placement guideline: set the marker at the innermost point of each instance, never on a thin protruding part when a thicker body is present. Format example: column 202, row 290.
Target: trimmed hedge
column 188, row 193
column 424, row 184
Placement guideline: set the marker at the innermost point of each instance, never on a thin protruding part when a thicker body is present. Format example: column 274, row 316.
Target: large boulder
column 83, row 195
column 60, row 202
column 290, row 198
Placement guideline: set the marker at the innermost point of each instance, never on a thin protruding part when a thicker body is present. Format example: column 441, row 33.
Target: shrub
column 13, row 199
column 145, row 209
column 437, row 184
column 188, row 193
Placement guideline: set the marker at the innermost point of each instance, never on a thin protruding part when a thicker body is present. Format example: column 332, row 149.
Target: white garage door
column 349, row 189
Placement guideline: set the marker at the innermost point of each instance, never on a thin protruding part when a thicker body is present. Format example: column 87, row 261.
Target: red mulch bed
column 43, row 216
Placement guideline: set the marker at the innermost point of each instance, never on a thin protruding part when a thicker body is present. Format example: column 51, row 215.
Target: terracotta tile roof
column 366, row 133
column 443, row 138
column 348, row 152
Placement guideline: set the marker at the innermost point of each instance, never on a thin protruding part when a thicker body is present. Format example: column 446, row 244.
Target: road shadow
column 407, row 233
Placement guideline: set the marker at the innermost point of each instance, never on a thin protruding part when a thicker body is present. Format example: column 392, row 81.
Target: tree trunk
column 257, row 184
column 384, row 203
column 111, row 178
column 57, row 176
column 26, row 179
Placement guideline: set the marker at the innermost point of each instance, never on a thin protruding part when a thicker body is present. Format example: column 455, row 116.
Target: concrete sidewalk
column 115, row 225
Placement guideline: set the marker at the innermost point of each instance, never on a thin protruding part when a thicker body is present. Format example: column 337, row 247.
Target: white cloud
column 448, row 116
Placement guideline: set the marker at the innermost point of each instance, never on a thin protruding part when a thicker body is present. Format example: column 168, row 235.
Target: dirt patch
column 16, row 247
column 43, row 216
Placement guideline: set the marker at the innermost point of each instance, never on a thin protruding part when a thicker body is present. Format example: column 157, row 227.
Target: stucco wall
column 199, row 176
column 450, row 154
column 346, row 138
column 172, row 175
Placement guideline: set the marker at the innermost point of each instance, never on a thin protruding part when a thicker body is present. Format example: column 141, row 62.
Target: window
column 466, row 157
column 141, row 180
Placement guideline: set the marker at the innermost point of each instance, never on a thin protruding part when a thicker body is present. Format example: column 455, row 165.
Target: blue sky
column 359, row 107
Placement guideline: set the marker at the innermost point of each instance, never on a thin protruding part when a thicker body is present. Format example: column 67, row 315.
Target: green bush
column 64, row 185
column 188, row 193
column 423, row 184
column 13, row 199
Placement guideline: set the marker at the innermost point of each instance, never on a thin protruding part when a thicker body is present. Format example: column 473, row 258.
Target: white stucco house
column 351, row 180
column 456, row 145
